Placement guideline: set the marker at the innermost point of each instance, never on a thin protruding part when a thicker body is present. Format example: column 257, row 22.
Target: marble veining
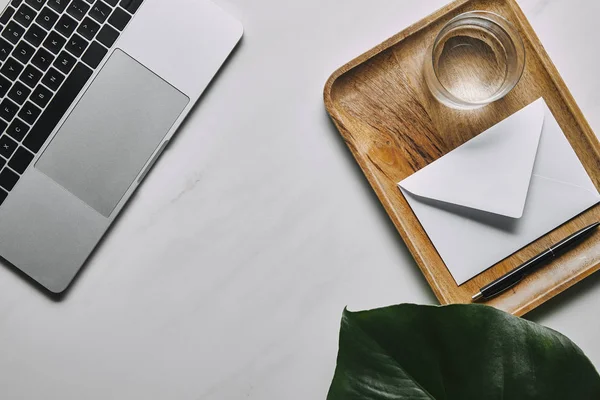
column 226, row 276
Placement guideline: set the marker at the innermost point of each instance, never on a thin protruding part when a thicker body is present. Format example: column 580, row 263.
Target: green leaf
column 459, row 352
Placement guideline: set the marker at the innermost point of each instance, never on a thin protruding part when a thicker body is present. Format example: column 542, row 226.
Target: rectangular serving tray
column 394, row 127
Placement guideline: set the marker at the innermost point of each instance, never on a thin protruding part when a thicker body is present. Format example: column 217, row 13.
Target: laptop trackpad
column 112, row 132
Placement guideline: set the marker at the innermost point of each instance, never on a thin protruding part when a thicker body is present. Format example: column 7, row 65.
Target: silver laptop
column 91, row 92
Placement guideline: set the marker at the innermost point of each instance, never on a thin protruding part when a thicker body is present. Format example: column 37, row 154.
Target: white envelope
column 500, row 191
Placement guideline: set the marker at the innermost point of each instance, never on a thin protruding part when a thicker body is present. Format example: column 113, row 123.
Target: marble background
column 226, row 276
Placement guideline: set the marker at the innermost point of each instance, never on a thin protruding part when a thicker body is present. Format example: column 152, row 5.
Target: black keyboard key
column 23, row 52
column 7, row 146
column 4, row 86
column 37, row 4
column 47, row 18
column 88, row 28
column 18, row 129
column 13, row 32
column 5, row 49
column 29, row 113
column 76, row 45
column 11, row 68
column 77, row 9
column 7, row 15
column 35, row 35
column 107, row 35
column 64, row 62
column 112, row 2
column 119, row 19
column 19, row 93
column 131, row 5
column 58, row 5
column 25, row 15
column 94, row 55
column 41, row 96
column 8, row 109
column 16, row 3
column 8, row 179
column 31, row 76
column 3, row 126
column 66, row 25
column 21, row 160
column 57, row 108
column 42, row 59
column 53, row 79
column 54, row 42
column 100, row 11
column 3, row 194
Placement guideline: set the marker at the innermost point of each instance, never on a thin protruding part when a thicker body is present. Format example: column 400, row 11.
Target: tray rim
column 558, row 82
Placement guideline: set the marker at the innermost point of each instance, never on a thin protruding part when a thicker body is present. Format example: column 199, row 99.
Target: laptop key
column 100, row 11
column 64, row 62
column 3, row 126
column 42, row 59
column 23, row 52
column 107, row 35
column 29, row 113
column 76, row 45
column 13, row 32
column 41, row 96
column 94, row 55
column 18, row 129
column 77, row 9
column 8, row 109
column 53, row 79
column 21, row 160
column 3, row 194
column 35, row 35
column 119, row 19
column 88, row 28
column 37, row 4
column 131, row 5
column 54, row 42
column 8, row 179
column 57, row 107
column 25, row 15
column 7, row 15
column 58, row 5
column 112, row 3
column 31, row 76
column 19, row 93
column 7, row 146
column 4, row 86
column 11, row 68
column 47, row 18
column 66, row 25
column 5, row 49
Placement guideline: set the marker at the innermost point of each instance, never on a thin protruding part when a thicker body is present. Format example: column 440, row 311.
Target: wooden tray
column 394, row 127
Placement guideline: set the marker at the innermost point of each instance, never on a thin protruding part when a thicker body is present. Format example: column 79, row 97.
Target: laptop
column 91, row 92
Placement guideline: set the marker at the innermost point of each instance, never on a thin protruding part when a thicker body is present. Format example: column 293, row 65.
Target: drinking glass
column 477, row 58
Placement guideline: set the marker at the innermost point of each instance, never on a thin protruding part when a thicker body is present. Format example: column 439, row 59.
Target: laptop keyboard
column 49, row 49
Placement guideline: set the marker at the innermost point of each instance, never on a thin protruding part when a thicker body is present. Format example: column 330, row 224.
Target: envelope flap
column 491, row 172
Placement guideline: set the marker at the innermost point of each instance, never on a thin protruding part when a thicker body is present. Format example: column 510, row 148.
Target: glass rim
column 489, row 16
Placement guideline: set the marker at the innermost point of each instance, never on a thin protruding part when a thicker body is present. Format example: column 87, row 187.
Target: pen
column 516, row 275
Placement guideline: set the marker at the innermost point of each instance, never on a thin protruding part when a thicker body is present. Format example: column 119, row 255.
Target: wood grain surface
column 394, row 127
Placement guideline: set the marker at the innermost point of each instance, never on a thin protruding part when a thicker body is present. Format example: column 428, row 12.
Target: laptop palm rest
column 112, row 132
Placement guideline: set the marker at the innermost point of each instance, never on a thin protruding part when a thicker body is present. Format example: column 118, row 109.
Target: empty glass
column 476, row 59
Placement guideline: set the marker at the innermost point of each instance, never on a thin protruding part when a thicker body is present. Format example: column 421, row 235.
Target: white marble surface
column 226, row 276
